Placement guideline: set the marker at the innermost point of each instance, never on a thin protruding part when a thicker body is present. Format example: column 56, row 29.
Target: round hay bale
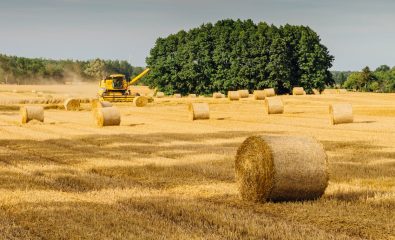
column 160, row 94
column 72, row 104
column 274, row 106
column 281, row 168
column 29, row 113
column 259, row 95
column 140, row 101
column 316, row 92
column 96, row 103
column 177, row 95
column 233, row 95
column 192, row 96
column 343, row 91
column 109, row 116
column 270, row 92
column 298, row 91
column 217, row 95
column 199, row 111
column 340, row 113
column 85, row 100
column 244, row 93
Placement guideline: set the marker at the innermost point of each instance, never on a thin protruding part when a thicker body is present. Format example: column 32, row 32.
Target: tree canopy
column 230, row 55
column 380, row 80
column 22, row 70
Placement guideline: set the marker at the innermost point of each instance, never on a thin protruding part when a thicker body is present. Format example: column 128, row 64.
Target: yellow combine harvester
column 115, row 88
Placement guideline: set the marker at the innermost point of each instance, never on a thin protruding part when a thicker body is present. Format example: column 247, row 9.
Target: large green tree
column 230, row 55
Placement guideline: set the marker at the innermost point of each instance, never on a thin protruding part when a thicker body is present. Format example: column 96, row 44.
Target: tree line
column 21, row 70
column 382, row 79
column 231, row 55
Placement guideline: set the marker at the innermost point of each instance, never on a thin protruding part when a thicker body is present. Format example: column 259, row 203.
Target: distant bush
column 22, row 70
column 380, row 80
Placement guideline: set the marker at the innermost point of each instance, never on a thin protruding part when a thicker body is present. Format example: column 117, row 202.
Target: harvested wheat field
column 161, row 176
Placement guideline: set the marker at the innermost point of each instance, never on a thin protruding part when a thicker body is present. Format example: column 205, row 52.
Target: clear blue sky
column 357, row 33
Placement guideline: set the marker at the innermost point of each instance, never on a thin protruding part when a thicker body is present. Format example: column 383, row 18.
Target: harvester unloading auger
column 115, row 88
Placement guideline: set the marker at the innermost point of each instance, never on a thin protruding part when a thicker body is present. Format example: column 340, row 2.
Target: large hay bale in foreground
column 233, row 95
column 72, row 104
column 160, row 94
column 140, row 101
column 109, row 116
column 270, row 92
column 96, row 103
column 244, row 93
column 298, row 91
column 217, row 95
column 281, row 168
column 340, row 113
column 29, row 113
column 259, row 94
column 198, row 111
column 274, row 105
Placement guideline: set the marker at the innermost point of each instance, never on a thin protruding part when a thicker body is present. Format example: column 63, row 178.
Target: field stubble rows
column 159, row 175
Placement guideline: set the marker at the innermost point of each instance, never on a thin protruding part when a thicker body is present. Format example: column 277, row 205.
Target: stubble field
column 161, row 176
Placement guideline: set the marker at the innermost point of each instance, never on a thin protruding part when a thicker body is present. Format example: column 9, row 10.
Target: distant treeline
column 21, row 70
column 380, row 80
column 230, row 55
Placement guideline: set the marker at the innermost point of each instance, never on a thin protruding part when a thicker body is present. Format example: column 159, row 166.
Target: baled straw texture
column 29, row 113
column 340, row 113
column 259, row 95
column 316, row 92
column 298, row 91
column 281, row 168
column 244, row 93
column 233, row 95
column 150, row 99
column 72, row 104
column 109, row 116
column 199, row 111
column 270, row 92
column 217, row 95
column 274, row 105
column 85, row 100
column 140, row 101
column 177, row 95
column 192, row 95
column 342, row 91
column 96, row 103
column 160, row 94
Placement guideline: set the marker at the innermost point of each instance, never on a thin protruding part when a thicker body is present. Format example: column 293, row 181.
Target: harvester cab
column 115, row 88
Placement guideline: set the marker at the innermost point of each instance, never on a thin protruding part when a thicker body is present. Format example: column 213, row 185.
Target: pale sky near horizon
column 358, row 33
